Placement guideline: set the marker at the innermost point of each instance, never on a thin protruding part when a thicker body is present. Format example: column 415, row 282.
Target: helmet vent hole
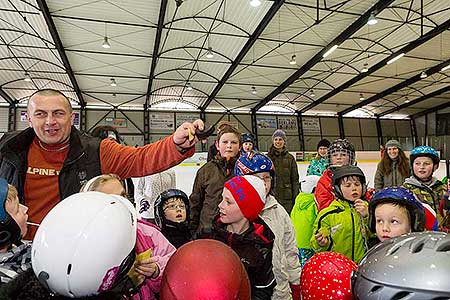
column 375, row 289
column 401, row 296
column 69, row 268
column 112, row 202
column 393, row 250
column 417, row 247
column 445, row 247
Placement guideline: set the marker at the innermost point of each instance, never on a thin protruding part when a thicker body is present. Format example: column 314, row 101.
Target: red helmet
column 205, row 269
column 327, row 275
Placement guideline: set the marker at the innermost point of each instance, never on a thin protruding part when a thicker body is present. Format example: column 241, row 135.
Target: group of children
column 232, row 201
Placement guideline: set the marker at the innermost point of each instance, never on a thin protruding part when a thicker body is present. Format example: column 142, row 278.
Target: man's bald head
column 49, row 93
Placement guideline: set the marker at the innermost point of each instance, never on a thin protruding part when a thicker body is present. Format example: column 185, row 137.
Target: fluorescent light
column 254, row 92
column 312, row 94
column 365, row 68
column 330, row 50
column 372, row 19
column 113, row 82
column 395, row 58
column 255, row 3
column 361, row 96
column 106, row 43
column 209, row 53
column 423, row 75
column 27, row 77
column 445, row 68
column 189, row 86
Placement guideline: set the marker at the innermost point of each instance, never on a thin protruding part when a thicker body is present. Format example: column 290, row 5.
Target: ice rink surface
column 186, row 173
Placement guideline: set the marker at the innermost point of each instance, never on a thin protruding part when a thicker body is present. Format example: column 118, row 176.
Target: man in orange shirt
column 52, row 160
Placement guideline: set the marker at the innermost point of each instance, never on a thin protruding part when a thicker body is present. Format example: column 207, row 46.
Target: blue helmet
column 400, row 196
column 248, row 137
column 252, row 163
column 421, row 151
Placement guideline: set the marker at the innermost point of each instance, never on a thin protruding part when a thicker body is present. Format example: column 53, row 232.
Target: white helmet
column 308, row 183
column 85, row 244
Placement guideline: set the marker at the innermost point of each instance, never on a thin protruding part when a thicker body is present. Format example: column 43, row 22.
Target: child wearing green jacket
column 343, row 226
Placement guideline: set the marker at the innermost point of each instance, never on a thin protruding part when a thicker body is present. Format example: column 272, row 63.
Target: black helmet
column 345, row 171
column 411, row 266
column 160, row 219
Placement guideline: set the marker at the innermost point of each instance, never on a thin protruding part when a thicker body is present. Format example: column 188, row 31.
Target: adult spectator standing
column 320, row 163
column 393, row 168
column 110, row 132
column 287, row 179
column 148, row 188
column 52, row 159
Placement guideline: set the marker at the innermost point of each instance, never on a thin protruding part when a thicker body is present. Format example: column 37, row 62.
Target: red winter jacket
column 323, row 195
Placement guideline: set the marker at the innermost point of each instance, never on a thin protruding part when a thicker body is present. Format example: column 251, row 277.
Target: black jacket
column 254, row 248
column 178, row 234
column 82, row 162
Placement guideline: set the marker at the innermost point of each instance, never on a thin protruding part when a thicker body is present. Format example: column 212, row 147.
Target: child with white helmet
column 152, row 248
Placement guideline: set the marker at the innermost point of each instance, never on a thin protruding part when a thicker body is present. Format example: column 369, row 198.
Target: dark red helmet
column 205, row 269
column 327, row 275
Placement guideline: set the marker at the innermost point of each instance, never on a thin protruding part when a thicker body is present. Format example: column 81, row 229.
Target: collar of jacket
column 23, row 139
column 276, row 151
column 413, row 180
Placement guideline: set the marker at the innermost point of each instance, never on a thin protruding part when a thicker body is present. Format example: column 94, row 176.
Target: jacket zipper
column 353, row 235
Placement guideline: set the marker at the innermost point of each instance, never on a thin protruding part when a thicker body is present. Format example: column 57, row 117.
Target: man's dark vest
column 81, row 164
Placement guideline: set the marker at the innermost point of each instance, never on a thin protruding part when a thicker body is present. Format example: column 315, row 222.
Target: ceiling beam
column 59, row 46
column 347, row 33
column 430, row 110
column 248, row 45
column 395, row 88
column 415, row 101
column 7, row 97
column 411, row 46
column 162, row 15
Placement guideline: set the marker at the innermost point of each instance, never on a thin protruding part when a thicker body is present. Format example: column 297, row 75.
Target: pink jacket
column 149, row 236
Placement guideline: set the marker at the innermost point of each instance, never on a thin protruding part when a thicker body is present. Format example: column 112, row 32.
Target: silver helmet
column 412, row 266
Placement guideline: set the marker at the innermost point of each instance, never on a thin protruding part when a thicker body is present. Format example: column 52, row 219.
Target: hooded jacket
column 254, row 248
column 395, row 178
column 207, row 192
column 287, row 184
column 286, row 265
column 345, row 229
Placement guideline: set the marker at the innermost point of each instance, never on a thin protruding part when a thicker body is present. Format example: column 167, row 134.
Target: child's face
column 228, row 145
column 19, row 213
column 323, row 151
column 278, row 142
column 392, row 152
column 339, row 158
column 423, row 168
column 112, row 187
column 175, row 210
column 265, row 176
column 228, row 208
column 391, row 221
column 351, row 188
column 247, row 146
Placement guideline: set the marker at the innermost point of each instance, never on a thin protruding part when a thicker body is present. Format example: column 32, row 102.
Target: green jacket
column 317, row 166
column 345, row 229
column 303, row 215
column 287, row 180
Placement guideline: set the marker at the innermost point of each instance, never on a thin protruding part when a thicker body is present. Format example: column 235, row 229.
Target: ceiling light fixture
column 406, row 99
column 361, row 96
column 209, row 53
column 106, row 43
column 188, row 86
column 311, row 94
column 27, row 77
column 365, row 68
column 445, row 68
column 113, row 82
column 372, row 19
column 330, row 50
column 255, row 3
column 114, row 95
column 423, row 75
column 395, row 58
column 293, row 60
column 254, row 92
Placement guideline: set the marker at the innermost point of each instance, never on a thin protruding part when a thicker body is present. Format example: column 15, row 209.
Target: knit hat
column 323, row 143
column 279, row 133
column 393, row 143
column 249, row 193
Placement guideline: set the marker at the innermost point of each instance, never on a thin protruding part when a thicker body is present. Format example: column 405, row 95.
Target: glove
column 295, row 290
